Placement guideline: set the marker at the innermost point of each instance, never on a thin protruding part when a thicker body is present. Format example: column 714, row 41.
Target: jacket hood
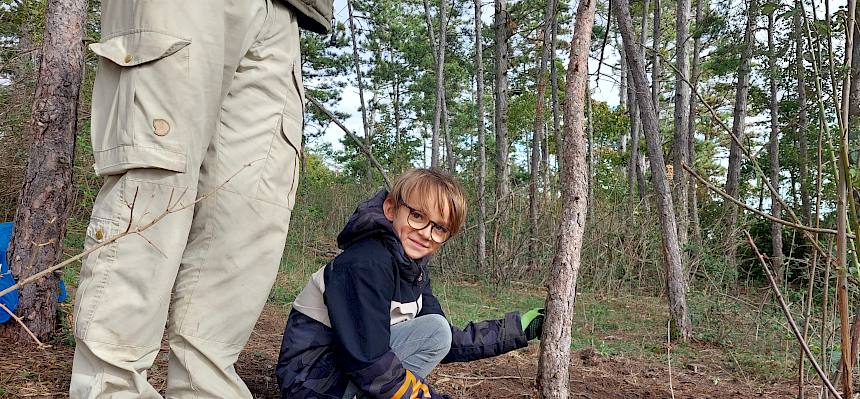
column 369, row 221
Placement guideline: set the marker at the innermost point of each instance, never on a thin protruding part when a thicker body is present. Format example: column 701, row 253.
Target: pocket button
column 128, row 58
column 100, row 234
column 160, row 127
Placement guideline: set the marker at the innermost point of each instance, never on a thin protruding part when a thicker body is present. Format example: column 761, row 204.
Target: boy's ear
column 389, row 208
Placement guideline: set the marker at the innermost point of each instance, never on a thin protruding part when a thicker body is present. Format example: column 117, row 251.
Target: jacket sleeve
column 488, row 338
column 478, row 340
column 358, row 297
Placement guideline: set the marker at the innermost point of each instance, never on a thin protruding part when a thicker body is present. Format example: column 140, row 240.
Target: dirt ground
column 33, row 373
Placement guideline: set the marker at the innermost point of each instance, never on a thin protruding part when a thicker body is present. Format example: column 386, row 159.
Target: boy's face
column 417, row 243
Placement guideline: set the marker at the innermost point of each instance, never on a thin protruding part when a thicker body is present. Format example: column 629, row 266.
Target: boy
column 367, row 324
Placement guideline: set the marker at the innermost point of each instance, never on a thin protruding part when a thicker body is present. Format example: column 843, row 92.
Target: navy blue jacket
column 339, row 328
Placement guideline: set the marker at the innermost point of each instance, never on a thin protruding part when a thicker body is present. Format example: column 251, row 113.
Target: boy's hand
column 532, row 322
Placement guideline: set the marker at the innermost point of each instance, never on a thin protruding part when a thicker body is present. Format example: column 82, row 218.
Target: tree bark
column 440, row 84
column 775, row 207
column 680, row 149
column 738, row 125
column 501, row 100
column 44, row 204
column 676, row 278
column 537, row 137
column 555, row 343
column 360, row 82
column 482, row 143
column 802, row 118
column 556, row 125
column 655, row 61
column 851, row 115
column 692, row 199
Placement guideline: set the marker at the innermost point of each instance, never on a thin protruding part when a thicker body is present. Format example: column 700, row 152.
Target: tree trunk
column 398, row 134
column 625, row 99
column 555, row 343
column 556, row 125
column 680, row 148
column 501, row 98
column 635, row 128
column 537, row 137
column 357, row 65
column 738, row 124
column 775, row 206
column 676, row 278
column 695, row 227
column 641, row 182
column 655, row 62
column 440, row 84
column 482, row 143
column 44, row 204
column 851, row 114
column 802, row 119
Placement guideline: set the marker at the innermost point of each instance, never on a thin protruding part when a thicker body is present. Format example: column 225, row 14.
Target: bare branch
column 794, row 328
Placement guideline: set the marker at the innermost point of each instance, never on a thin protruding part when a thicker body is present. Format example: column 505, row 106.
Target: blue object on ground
column 10, row 299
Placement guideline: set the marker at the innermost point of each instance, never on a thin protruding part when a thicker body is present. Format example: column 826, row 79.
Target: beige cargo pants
column 193, row 100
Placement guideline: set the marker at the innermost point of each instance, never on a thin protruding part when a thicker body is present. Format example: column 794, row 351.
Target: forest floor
column 610, row 358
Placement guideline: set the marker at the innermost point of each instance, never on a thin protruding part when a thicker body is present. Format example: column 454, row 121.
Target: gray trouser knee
column 420, row 344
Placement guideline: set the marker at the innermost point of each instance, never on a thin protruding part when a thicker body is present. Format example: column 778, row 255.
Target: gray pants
column 420, row 344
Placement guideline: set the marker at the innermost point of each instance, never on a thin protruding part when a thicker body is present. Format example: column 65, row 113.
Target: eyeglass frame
column 429, row 222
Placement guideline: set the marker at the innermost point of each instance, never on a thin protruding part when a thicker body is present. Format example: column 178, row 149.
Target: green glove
column 532, row 322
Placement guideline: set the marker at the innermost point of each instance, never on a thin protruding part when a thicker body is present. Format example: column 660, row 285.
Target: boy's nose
column 426, row 232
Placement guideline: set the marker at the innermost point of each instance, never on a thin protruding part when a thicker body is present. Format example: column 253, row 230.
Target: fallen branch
column 501, row 377
column 357, row 140
column 794, row 328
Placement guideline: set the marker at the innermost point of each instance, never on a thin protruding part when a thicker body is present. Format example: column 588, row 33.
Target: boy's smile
column 416, row 243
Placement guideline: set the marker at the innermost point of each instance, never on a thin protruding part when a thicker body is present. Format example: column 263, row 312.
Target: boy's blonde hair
column 433, row 187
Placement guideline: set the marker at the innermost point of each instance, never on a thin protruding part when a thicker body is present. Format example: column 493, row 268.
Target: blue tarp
column 10, row 300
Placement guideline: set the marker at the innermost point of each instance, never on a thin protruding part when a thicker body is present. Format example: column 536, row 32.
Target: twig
column 501, row 377
column 794, row 328
column 740, row 203
column 352, row 135
column 18, row 319
column 170, row 209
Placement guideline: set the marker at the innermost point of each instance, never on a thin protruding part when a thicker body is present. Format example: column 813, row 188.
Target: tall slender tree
column 738, row 128
column 693, row 207
column 775, row 207
column 555, row 342
column 802, row 118
column 440, row 83
column 356, row 60
column 500, row 119
column 482, row 143
column 680, row 149
column 537, row 134
column 676, row 278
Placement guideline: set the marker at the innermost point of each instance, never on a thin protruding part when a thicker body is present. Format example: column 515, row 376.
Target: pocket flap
column 136, row 48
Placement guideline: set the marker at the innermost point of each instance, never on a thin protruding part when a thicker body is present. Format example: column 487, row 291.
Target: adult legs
column 166, row 69
column 239, row 230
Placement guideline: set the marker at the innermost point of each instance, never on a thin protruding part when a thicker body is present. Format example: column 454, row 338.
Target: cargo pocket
column 280, row 177
column 141, row 102
column 95, row 272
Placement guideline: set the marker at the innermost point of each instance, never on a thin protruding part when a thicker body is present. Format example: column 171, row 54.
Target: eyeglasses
column 419, row 221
